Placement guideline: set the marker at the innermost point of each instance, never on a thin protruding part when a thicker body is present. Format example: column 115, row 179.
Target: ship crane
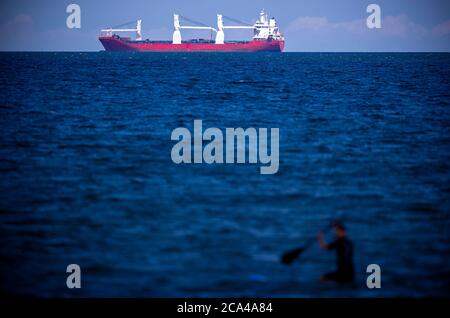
column 138, row 30
column 176, row 39
column 220, row 36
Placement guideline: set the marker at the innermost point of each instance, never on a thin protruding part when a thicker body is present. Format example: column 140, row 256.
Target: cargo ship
column 266, row 37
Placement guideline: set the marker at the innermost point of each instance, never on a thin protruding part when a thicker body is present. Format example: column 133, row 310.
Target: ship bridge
column 266, row 28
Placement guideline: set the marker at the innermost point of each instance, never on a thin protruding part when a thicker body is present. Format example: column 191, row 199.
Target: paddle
column 289, row 257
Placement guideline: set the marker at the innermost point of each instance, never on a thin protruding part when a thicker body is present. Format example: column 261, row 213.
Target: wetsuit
column 344, row 259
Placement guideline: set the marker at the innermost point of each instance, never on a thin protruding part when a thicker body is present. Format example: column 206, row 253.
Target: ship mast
column 176, row 38
column 220, row 36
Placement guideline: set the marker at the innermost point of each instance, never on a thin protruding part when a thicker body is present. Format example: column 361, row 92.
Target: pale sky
column 308, row 25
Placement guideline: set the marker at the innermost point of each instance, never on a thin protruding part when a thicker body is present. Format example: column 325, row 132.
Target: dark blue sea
column 86, row 175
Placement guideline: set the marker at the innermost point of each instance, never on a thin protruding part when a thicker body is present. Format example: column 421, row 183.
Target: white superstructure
column 266, row 28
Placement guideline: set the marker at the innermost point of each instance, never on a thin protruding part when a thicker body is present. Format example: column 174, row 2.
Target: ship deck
column 191, row 41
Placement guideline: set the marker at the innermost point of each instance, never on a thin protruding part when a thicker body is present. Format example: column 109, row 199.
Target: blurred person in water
column 344, row 255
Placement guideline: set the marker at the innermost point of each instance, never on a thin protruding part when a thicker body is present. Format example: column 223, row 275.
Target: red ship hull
column 117, row 44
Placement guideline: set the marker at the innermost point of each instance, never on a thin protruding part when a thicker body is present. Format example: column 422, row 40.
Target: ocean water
column 86, row 175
